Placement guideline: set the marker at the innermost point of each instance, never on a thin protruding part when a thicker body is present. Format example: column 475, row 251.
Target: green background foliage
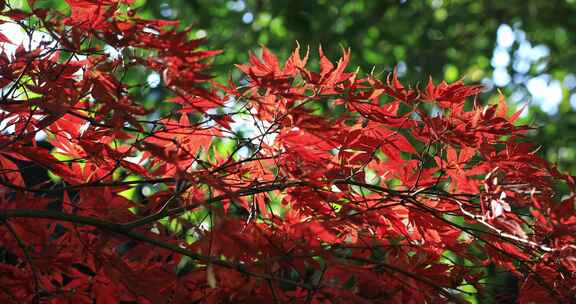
column 525, row 48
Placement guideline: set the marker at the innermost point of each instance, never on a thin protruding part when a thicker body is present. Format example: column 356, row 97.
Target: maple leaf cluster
column 295, row 185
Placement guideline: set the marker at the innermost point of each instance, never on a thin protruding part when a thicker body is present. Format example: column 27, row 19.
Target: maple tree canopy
column 295, row 185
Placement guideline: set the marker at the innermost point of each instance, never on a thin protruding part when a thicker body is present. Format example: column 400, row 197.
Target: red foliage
column 346, row 189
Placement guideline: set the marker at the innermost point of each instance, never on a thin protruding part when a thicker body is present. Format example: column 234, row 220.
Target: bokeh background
column 524, row 48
